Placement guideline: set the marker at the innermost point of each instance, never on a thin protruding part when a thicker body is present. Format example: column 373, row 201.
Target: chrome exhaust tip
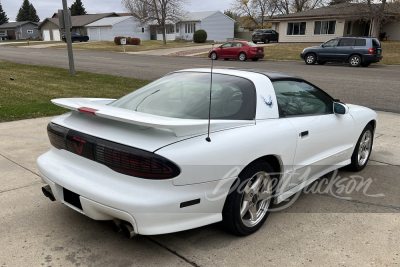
column 116, row 225
column 48, row 193
column 127, row 230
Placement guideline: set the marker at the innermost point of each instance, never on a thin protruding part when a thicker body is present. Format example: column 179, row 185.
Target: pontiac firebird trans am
column 143, row 161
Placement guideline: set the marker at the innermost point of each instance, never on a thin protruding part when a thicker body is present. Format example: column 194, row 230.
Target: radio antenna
column 208, row 139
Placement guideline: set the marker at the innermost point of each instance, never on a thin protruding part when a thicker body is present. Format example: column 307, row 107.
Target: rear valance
column 181, row 127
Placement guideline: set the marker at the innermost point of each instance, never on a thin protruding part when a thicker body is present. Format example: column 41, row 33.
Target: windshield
column 186, row 95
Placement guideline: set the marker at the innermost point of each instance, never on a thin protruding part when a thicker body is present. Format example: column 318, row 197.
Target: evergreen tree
column 32, row 14
column 23, row 13
column 3, row 16
column 77, row 8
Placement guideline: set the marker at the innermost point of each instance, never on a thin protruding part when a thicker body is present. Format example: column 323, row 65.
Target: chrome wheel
column 213, row 56
column 310, row 59
column 364, row 149
column 242, row 57
column 355, row 61
column 256, row 199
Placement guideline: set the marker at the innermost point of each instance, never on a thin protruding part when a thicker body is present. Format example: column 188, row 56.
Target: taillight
column 123, row 159
column 57, row 136
column 371, row 51
column 133, row 161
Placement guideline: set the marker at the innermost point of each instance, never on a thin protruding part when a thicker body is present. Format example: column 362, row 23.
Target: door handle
column 303, row 134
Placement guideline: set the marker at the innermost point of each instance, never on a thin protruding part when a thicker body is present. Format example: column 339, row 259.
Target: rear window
column 251, row 44
column 347, row 42
column 361, row 42
column 376, row 43
column 186, row 95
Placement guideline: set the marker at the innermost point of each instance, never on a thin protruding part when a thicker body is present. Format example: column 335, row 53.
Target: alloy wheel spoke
column 245, row 208
column 253, row 213
column 257, row 183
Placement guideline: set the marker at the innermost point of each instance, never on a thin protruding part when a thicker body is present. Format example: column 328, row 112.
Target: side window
column 300, row 98
column 347, row 42
column 331, row 43
column 361, row 42
column 227, row 45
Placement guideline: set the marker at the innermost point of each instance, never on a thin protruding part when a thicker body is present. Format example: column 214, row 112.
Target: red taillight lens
column 133, row 161
column 371, row 51
column 57, row 136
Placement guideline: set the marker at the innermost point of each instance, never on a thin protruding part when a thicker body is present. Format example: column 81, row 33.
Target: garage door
column 46, row 35
column 56, row 35
column 104, row 34
column 94, row 34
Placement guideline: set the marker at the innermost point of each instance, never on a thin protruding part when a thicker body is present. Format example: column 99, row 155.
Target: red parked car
column 237, row 50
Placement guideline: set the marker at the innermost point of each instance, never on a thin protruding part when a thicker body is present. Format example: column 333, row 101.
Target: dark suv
column 357, row 51
column 4, row 36
column 265, row 36
column 75, row 36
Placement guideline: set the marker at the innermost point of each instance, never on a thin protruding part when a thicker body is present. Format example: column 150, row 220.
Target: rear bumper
column 152, row 207
column 373, row 58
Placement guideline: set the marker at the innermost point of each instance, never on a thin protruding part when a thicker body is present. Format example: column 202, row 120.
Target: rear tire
column 362, row 151
column 365, row 64
column 248, row 206
column 255, row 42
column 254, row 59
column 355, row 61
column 242, row 56
column 321, row 62
column 226, row 58
column 310, row 59
column 214, row 56
column 266, row 41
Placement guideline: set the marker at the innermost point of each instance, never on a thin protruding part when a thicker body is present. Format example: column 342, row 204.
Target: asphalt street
column 376, row 87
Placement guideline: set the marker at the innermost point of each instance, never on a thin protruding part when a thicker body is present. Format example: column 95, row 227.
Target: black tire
column 310, row 59
column 214, row 54
column 321, row 62
column 232, row 218
column 355, row 61
column 255, row 42
column 242, row 56
column 365, row 64
column 356, row 164
column 266, row 40
column 226, row 58
column 254, row 59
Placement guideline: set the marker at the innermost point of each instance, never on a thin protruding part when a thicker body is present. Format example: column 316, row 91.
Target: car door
column 345, row 48
column 323, row 138
column 233, row 52
column 275, row 36
column 224, row 51
column 327, row 51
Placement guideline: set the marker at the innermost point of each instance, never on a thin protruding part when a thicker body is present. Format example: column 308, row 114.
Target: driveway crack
column 16, row 163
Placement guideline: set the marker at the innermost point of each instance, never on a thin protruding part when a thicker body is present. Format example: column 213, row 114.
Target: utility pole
column 68, row 22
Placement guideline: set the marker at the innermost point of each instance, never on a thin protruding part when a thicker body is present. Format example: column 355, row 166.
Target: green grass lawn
column 29, row 95
column 287, row 51
column 146, row 45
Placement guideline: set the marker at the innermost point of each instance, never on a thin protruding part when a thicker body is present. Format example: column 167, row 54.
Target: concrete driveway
column 317, row 230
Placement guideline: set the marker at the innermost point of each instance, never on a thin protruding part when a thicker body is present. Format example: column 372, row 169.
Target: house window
column 142, row 29
column 29, row 31
column 324, row 27
column 170, row 30
column 349, row 27
column 296, row 28
column 190, row 27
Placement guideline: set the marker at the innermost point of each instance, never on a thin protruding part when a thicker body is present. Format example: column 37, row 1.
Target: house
column 20, row 30
column 107, row 29
column 50, row 28
column 218, row 26
column 322, row 24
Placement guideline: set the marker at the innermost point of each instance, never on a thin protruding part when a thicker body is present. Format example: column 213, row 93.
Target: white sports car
column 144, row 162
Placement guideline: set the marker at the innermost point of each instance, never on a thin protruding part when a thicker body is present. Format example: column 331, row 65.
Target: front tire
column 226, row 58
column 363, row 150
column 355, row 61
column 266, row 41
column 247, row 207
column 242, row 57
column 214, row 56
column 310, row 59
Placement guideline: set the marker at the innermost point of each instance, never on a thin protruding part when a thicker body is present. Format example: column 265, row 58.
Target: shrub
column 200, row 36
column 128, row 40
column 117, row 40
column 134, row 41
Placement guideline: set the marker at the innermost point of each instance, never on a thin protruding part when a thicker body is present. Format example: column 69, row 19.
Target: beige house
column 320, row 25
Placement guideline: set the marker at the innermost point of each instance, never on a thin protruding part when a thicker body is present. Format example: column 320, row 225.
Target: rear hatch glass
column 377, row 46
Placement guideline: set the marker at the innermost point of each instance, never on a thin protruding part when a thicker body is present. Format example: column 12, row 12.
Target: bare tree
column 156, row 12
column 254, row 12
column 294, row 6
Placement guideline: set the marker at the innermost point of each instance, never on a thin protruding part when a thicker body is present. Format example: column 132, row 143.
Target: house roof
column 108, row 21
column 83, row 20
column 199, row 16
column 339, row 10
column 12, row 25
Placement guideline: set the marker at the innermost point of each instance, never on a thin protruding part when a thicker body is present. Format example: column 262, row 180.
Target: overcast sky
column 46, row 8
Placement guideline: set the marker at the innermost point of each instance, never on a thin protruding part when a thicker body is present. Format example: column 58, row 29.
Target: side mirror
column 340, row 108
column 323, row 46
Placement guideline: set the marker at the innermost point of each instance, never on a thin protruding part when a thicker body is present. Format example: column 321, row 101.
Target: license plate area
column 72, row 198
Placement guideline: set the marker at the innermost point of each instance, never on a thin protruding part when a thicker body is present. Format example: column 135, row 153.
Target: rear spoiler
column 181, row 127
